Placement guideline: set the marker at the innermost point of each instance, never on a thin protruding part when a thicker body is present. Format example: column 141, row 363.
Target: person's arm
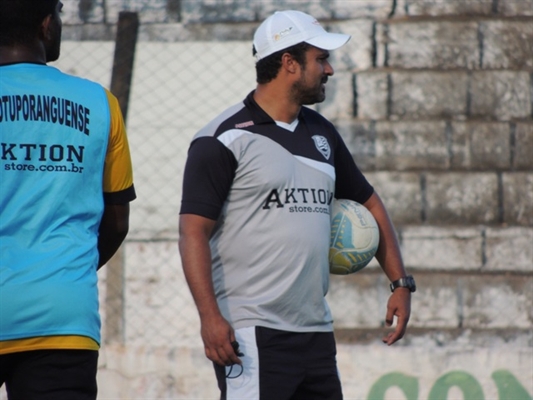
column 112, row 231
column 118, row 189
column 390, row 259
column 217, row 333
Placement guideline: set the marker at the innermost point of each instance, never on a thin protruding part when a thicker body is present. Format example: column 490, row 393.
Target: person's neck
column 276, row 103
column 19, row 54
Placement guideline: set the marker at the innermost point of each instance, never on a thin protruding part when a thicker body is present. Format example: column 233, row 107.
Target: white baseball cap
column 284, row 29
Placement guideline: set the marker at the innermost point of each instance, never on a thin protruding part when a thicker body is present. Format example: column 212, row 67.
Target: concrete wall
column 435, row 101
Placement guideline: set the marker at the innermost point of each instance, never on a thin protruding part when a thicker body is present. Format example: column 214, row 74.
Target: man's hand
column 217, row 335
column 399, row 306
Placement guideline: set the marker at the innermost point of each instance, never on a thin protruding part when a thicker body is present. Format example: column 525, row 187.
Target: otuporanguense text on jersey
column 34, row 107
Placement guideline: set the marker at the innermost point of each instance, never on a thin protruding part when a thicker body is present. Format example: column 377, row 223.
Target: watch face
column 411, row 283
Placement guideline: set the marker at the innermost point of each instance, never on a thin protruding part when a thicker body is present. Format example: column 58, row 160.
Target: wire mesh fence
column 178, row 85
column 180, row 81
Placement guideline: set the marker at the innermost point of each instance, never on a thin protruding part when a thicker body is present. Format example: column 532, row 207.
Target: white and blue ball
column 354, row 237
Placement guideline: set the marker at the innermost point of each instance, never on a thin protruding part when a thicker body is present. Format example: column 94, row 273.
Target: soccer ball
column 354, row 237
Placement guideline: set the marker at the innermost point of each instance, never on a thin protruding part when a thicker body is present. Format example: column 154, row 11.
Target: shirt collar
column 259, row 116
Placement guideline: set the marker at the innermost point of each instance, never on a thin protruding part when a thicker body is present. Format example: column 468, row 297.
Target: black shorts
column 280, row 365
column 50, row 374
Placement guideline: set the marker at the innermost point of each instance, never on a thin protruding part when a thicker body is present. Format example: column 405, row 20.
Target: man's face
column 310, row 87
column 53, row 44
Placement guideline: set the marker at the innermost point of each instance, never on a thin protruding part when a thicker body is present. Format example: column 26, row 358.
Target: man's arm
column 112, row 231
column 217, row 333
column 390, row 259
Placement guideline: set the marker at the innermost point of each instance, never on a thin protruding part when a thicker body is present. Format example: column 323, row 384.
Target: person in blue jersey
column 66, row 183
column 255, row 226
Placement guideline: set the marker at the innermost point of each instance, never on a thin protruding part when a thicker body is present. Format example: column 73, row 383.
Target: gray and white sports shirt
column 270, row 191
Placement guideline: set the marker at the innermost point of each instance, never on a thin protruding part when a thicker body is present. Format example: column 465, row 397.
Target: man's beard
column 303, row 94
column 53, row 49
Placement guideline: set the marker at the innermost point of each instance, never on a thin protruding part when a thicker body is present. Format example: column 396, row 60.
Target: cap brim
column 329, row 41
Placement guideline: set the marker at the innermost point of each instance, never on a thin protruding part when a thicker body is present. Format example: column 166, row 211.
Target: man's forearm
column 388, row 254
column 112, row 231
column 108, row 244
column 196, row 262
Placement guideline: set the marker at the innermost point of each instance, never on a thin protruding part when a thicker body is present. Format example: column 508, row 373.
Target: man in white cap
column 255, row 226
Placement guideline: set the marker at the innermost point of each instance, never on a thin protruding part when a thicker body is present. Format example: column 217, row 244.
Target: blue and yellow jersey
column 63, row 155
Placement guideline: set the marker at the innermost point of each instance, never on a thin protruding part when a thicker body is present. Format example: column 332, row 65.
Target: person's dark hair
column 20, row 19
column 267, row 68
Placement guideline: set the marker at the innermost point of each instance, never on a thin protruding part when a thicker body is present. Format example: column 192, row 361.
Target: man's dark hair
column 267, row 68
column 20, row 19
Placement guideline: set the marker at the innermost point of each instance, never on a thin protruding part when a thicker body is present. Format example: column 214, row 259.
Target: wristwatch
column 406, row 282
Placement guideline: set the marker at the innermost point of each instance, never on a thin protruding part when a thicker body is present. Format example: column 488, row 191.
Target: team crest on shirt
column 322, row 145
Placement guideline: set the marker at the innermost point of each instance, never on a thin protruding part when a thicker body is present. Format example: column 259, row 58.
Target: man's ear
column 44, row 30
column 289, row 63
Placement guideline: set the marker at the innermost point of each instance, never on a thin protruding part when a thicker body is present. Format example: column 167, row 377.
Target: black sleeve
column 122, row 197
column 350, row 183
column 208, row 176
